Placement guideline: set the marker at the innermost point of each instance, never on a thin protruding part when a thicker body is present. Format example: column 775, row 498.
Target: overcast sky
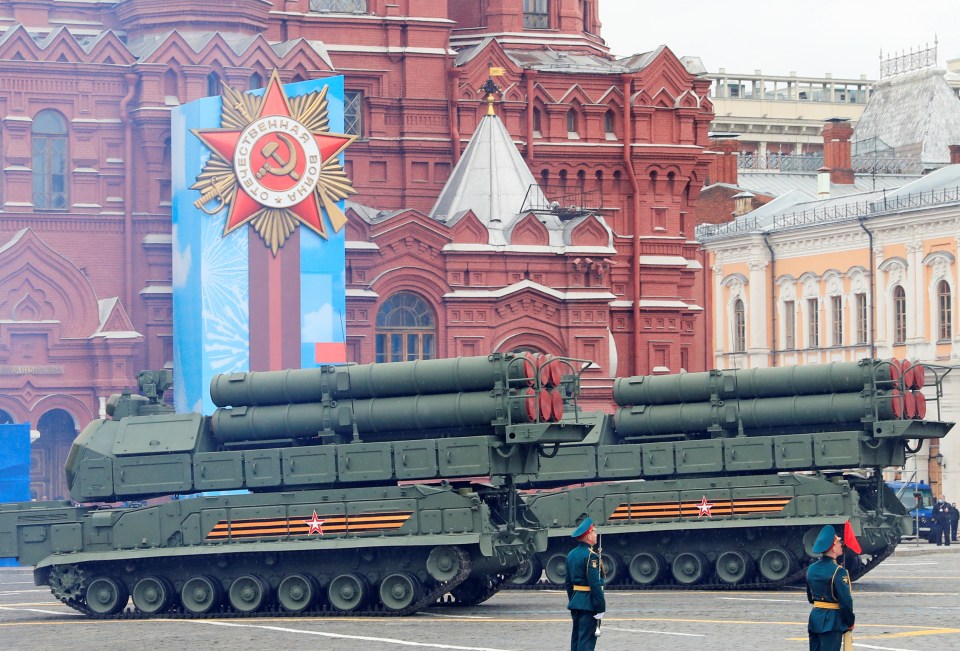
column 810, row 37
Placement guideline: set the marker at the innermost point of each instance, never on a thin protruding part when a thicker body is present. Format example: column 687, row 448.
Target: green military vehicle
column 723, row 479
column 333, row 513
column 379, row 488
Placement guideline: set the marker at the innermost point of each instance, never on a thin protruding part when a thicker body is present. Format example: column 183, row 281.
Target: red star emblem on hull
column 704, row 508
column 277, row 161
column 315, row 524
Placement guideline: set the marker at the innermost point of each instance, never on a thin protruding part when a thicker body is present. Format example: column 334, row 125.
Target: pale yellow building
column 808, row 281
column 782, row 114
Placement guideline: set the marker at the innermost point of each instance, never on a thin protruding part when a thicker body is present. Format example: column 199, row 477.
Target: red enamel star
column 704, row 508
column 315, row 524
column 273, row 167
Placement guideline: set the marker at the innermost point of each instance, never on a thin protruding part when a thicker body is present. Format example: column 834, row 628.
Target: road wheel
column 733, row 566
column 399, row 590
column 443, row 563
column 248, row 593
column 106, row 595
column 646, row 568
column 612, row 568
column 776, row 564
column 200, row 594
column 689, row 568
column 152, row 595
column 556, row 569
column 297, row 592
column 529, row 572
column 348, row 592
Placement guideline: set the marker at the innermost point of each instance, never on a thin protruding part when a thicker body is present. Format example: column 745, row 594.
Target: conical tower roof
column 491, row 179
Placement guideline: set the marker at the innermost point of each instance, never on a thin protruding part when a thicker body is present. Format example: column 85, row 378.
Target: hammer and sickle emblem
column 286, row 167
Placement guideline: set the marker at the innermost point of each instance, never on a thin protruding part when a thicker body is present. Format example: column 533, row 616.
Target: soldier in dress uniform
column 828, row 589
column 584, row 585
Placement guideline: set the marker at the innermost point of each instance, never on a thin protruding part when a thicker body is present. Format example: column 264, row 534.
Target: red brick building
column 604, row 267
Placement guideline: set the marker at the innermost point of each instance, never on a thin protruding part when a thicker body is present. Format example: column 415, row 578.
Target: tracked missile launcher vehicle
column 379, row 488
column 723, row 479
column 332, row 513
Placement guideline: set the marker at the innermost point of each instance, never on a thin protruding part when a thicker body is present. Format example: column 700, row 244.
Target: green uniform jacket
column 583, row 568
column 827, row 581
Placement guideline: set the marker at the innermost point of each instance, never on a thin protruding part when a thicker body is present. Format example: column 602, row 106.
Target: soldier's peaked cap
column 825, row 540
column 583, row 529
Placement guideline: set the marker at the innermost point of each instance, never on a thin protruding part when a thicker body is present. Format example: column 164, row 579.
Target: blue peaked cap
column 582, row 528
column 825, row 540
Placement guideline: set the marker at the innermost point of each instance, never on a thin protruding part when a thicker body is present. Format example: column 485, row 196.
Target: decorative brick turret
column 954, row 154
column 723, row 169
column 836, row 150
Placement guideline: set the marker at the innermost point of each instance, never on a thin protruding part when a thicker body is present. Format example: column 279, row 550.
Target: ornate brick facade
column 85, row 256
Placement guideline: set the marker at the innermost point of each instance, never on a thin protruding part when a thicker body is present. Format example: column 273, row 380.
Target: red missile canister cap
column 895, row 371
column 909, row 404
column 545, row 406
column 543, row 370
column 919, row 376
column 897, row 403
column 531, row 404
column 921, row 401
column 907, row 372
column 528, row 368
column 556, row 374
column 557, row 404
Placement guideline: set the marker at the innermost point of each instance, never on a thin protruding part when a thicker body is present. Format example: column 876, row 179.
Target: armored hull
column 726, row 532
column 391, row 550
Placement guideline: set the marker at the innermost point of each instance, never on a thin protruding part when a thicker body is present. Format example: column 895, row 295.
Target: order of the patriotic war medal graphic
column 274, row 163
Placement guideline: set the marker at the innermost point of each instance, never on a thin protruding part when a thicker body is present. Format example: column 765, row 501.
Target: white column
column 719, row 309
column 917, row 307
column 759, row 347
column 879, row 299
column 954, row 302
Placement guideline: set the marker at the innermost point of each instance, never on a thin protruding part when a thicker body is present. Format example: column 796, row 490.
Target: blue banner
column 14, row 467
column 258, row 233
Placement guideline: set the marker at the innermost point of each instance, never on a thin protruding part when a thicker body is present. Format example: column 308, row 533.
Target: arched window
column 572, row 130
column 537, row 123
column 165, row 195
column 739, row 327
column 5, row 418
column 49, row 142
column 609, row 124
column 255, row 82
column 406, row 329
column 213, row 84
column 945, row 309
column 171, row 85
column 899, row 315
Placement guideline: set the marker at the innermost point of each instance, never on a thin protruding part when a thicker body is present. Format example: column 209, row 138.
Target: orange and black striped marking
column 299, row 526
column 693, row 509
